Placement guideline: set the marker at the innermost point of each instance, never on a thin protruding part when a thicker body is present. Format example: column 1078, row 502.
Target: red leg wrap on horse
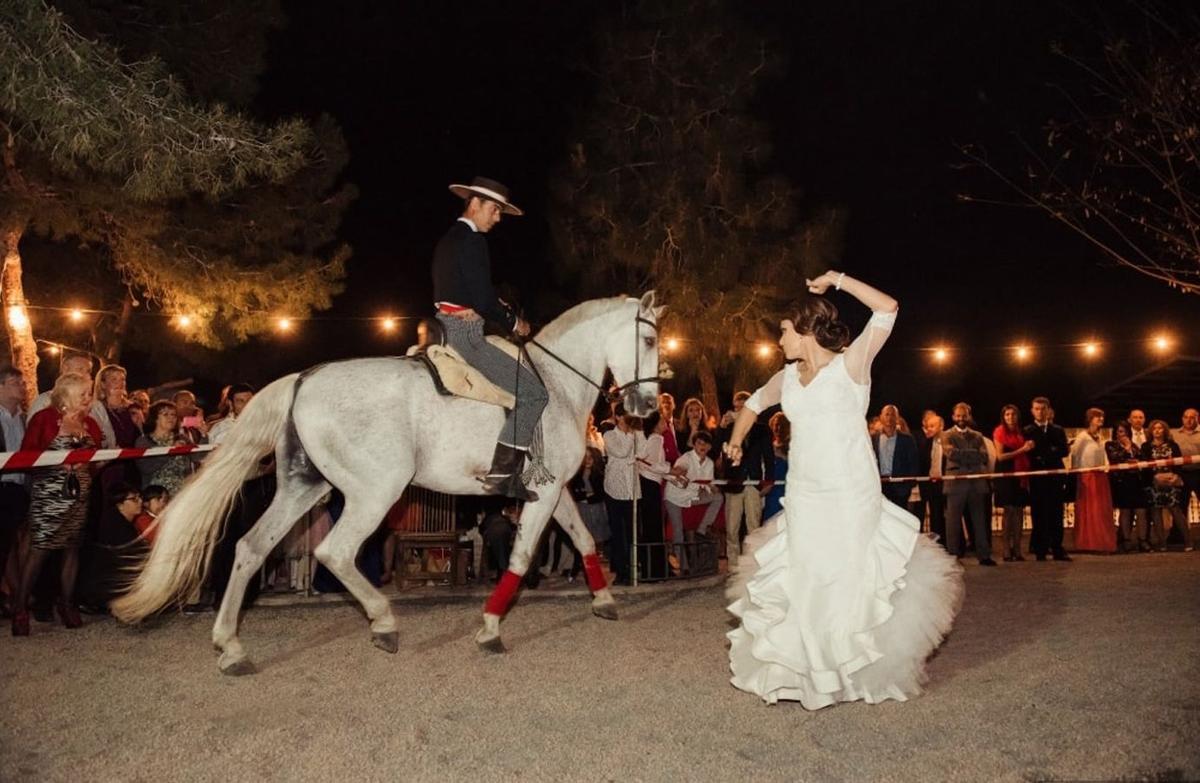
column 595, row 577
column 503, row 595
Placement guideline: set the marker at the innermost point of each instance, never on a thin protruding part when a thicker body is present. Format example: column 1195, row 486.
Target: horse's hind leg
column 293, row 497
column 567, row 514
column 338, row 551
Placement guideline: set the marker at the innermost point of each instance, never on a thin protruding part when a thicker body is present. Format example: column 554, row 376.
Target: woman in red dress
column 1012, row 492
column 1094, row 528
column 59, row 496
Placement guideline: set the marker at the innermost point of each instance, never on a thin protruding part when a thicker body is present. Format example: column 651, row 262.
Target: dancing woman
column 840, row 598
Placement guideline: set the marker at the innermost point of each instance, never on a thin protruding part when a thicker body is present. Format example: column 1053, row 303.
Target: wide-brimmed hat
column 489, row 189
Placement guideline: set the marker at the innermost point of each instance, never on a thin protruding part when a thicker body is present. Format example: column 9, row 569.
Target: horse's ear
column 647, row 302
column 658, row 312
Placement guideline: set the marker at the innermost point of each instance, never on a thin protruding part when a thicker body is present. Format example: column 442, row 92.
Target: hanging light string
column 1091, row 349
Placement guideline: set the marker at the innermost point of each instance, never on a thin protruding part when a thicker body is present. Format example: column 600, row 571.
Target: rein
column 614, row 394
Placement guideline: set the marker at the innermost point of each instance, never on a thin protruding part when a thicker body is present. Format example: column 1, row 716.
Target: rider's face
column 483, row 213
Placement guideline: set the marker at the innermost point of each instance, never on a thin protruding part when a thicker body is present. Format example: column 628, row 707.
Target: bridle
column 616, row 393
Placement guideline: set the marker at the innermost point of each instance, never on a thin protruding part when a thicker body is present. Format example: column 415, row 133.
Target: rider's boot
column 504, row 477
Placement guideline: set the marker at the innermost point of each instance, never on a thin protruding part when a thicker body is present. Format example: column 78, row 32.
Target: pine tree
column 667, row 185
column 200, row 209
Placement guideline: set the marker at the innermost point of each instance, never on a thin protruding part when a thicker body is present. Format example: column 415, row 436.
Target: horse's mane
column 580, row 313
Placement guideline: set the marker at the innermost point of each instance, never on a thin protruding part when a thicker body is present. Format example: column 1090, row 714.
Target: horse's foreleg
column 289, row 503
column 338, row 551
column 533, row 522
column 567, row 514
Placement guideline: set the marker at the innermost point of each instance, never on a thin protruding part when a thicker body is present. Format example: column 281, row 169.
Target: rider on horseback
column 465, row 298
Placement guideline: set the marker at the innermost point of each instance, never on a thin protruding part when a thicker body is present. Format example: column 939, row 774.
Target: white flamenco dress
column 840, row 597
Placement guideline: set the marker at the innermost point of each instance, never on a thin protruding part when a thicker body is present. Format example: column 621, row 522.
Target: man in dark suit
column 897, row 456
column 465, row 299
column 1046, row 493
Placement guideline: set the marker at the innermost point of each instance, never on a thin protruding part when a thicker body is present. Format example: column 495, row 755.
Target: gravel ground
column 1082, row 671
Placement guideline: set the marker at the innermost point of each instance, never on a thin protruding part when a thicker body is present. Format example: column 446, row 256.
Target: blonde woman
column 59, row 496
column 693, row 419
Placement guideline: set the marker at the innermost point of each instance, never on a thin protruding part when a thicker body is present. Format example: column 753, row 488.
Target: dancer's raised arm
column 877, row 300
column 867, row 345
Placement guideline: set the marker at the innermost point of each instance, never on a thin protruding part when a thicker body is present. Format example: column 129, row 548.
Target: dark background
column 867, row 116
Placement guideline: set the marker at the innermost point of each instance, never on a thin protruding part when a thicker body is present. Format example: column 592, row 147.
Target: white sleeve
column 768, row 394
column 867, row 345
column 655, row 456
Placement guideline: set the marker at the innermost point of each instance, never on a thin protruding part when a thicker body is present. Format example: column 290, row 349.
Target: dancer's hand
column 734, row 452
column 522, row 328
column 821, row 283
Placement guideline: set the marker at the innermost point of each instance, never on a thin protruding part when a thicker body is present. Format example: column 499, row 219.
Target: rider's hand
column 734, row 452
column 522, row 328
column 821, row 283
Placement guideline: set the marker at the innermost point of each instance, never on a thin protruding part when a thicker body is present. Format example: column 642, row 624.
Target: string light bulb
column 52, row 350
column 388, row 324
column 17, row 318
column 941, row 354
column 284, row 324
column 672, row 344
column 1091, row 349
column 76, row 315
column 183, row 321
column 1022, row 353
column 1162, row 343
column 764, row 350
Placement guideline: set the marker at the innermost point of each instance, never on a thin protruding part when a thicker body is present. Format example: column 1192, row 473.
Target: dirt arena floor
column 1081, row 671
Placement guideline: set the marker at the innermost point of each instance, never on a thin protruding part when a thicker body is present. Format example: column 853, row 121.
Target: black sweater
column 462, row 275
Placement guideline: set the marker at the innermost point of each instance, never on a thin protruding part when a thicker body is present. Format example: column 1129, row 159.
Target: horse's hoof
column 237, row 668
column 388, row 642
column 494, row 645
column 605, row 611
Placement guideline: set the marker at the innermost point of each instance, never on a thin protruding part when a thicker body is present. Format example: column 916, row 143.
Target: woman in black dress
column 1128, row 490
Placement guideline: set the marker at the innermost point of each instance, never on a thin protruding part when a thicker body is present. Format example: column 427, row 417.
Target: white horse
column 370, row 427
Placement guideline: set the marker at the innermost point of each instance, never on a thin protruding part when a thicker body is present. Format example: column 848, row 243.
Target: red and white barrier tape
column 25, row 460
column 1149, row 464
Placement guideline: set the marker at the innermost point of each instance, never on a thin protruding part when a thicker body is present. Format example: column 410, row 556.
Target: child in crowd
column 154, row 500
column 693, row 488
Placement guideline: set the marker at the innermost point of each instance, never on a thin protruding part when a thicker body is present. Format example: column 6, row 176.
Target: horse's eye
column 649, row 342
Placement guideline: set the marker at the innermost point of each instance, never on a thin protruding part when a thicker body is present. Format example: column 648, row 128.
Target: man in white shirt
column 14, row 488
column 240, row 395
column 622, row 446
column 1188, row 438
column 1137, row 421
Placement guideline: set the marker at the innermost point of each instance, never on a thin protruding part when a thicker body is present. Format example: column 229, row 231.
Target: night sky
column 866, row 116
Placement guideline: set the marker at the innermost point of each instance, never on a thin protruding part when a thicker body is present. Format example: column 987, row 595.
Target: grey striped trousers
column 466, row 337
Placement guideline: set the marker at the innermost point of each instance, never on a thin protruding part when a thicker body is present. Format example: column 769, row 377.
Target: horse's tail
column 191, row 525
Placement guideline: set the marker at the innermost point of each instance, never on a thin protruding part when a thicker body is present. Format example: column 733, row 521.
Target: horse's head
column 632, row 355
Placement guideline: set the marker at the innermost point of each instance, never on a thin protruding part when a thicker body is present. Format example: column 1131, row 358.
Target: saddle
column 453, row 377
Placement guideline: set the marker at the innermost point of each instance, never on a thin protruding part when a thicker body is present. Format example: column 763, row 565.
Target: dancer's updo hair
column 817, row 316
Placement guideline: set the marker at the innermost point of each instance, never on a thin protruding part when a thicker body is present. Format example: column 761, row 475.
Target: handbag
column 70, row 489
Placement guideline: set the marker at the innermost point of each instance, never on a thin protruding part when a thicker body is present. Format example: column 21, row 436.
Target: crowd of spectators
column 1114, row 510
column 69, row 533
